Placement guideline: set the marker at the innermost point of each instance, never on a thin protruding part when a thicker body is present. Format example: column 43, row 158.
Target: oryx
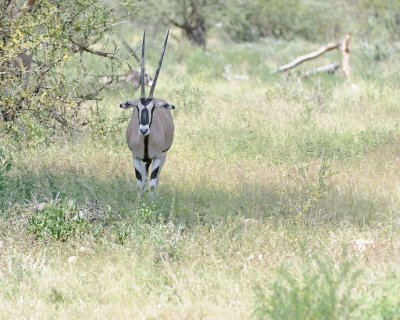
column 150, row 131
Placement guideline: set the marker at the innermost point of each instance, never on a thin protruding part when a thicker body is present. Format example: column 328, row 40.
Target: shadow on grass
column 194, row 204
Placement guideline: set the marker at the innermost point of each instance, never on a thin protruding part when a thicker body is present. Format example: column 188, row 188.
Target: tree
column 193, row 17
column 193, row 21
column 61, row 38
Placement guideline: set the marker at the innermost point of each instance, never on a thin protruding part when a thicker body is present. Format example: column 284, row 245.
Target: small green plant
column 318, row 189
column 166, row 239
column 5, row 167
column 102, row 126
column 122, row 231
column 321, row 292
column 146, row 213
column 144, row 216
column 385, row 305
column 190, row 98
column 56, row 297
column 59, row 221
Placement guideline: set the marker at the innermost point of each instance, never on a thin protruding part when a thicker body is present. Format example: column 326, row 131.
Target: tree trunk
column 197, row 32
column 194, row 23
column 344, row 48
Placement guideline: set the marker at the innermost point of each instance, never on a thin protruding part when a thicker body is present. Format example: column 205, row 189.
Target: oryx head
column 145, row 106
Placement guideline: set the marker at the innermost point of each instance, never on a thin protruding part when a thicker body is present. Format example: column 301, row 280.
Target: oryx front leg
column 155, row 172
column 140, row 172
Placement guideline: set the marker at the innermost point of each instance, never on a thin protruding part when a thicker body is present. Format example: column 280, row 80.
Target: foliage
column 311, row 20
column 264, row 175
column 191, row 97
column 194, row 17
column 321, row 292
column 385, row 305
column 5, row 167
column 289, row 19
column 381, row 17
column 59, row 36
column 58, row 221
column 281, row 19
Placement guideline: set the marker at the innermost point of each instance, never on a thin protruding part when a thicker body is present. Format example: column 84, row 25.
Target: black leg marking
column 138, row 175
column 154, row 173
column 148, row 163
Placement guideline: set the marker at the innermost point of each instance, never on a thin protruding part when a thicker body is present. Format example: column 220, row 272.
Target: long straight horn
column 153, row 86
column 143, row 95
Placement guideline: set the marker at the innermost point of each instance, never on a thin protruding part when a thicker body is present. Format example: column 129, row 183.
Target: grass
column 279, row 199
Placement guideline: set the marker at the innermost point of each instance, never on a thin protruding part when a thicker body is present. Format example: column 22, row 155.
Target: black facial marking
column 145, row 101
column 138, row 175
column 144, row 118
column 154, row 173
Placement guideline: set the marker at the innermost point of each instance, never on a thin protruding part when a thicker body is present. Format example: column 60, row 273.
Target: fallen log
column 330, row 68
column 342, row 46
column 306, row 57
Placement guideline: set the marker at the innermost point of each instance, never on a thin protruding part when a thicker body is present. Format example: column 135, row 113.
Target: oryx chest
column 158, row 141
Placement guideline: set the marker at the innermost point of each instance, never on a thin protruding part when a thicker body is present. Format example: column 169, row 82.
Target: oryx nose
column 143, row 130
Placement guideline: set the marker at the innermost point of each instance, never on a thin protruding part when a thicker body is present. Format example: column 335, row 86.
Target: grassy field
column 280, row 199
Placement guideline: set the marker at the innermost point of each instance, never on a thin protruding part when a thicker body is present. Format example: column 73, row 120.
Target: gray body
column 150, row 131
column 149, row 141
column 159, row 139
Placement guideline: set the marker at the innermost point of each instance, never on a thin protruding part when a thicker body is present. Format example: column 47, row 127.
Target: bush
column 58, row 221
column 47, row 94
column 5, row 167
column 311, row 20
column 321, row 292
column 383, row 303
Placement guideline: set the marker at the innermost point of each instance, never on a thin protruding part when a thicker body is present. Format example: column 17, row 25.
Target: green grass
column 279, row 199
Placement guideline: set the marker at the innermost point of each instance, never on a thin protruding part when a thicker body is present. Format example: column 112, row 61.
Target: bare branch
column 129, row 48
column 176, row 24
column 306, row 57
column 110, row 55
column 6, row 10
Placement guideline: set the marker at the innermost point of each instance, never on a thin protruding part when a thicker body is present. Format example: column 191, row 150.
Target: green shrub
column 322, row 291
column 47, row 95
column 191, row 99
column 385, row 305
column 5, row 167
column 58, row 221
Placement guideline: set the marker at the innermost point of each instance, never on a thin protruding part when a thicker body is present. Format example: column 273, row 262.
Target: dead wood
column 309, row 56
column 330, row 68
column 343, row 46
column 344, row 49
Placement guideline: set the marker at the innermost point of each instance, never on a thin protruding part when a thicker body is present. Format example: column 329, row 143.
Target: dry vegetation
column 279, row 200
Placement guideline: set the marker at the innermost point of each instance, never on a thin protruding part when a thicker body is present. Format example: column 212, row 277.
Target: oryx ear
column 158, row 103
column 129, row 104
